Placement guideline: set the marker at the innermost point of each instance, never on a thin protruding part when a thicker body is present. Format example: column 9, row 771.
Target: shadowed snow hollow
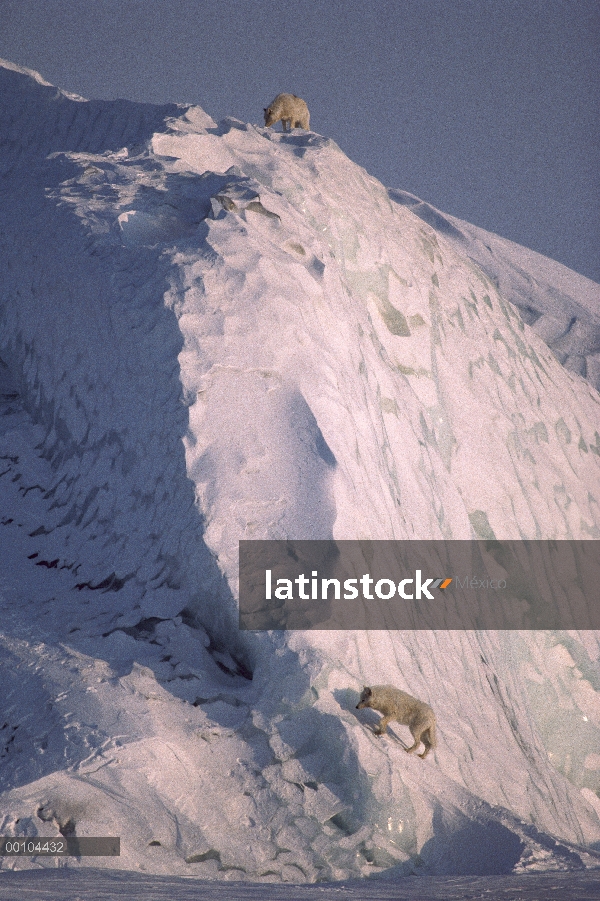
column 216, row 332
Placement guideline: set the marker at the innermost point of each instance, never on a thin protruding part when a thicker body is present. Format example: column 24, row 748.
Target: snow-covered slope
column 214, row 332
column 560, row 305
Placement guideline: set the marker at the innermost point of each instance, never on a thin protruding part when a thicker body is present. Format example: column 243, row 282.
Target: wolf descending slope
column 402, row 707
column 288, row 108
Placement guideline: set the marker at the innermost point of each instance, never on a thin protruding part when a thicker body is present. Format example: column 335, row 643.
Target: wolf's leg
column 416, row 734
column 382, row 725
column 426, row 739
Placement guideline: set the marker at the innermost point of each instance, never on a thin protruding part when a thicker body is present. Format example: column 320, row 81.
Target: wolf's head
column 269, row 117
column 365, row 698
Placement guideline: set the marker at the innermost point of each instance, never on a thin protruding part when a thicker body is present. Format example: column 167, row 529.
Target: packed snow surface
column 211, row 332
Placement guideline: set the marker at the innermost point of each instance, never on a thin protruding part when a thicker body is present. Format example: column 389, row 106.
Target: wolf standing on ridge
column 402, row 707
column 288, row 108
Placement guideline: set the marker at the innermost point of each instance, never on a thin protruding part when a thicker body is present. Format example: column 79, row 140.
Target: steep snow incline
column 562, row 306
column 391, row 320
column 221, row 333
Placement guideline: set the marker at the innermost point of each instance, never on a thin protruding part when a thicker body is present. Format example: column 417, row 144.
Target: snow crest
column 211, row 332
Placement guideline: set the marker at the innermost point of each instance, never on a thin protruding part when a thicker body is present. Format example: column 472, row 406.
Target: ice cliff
column 211, row 332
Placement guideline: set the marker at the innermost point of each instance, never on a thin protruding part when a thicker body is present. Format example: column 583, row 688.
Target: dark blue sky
column 487, row 109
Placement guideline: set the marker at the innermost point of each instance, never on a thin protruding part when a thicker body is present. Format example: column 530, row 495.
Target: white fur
column 289, row 109
column 402, row 707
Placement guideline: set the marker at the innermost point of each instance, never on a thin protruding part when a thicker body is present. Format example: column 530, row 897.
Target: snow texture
column 211, row 332
column 560, row 305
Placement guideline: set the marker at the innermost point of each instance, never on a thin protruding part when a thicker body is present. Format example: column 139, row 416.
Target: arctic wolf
column 402, row 707
column 288, row 108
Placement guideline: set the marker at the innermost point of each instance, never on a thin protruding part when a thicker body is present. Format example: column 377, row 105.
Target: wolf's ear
column 367, row 691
